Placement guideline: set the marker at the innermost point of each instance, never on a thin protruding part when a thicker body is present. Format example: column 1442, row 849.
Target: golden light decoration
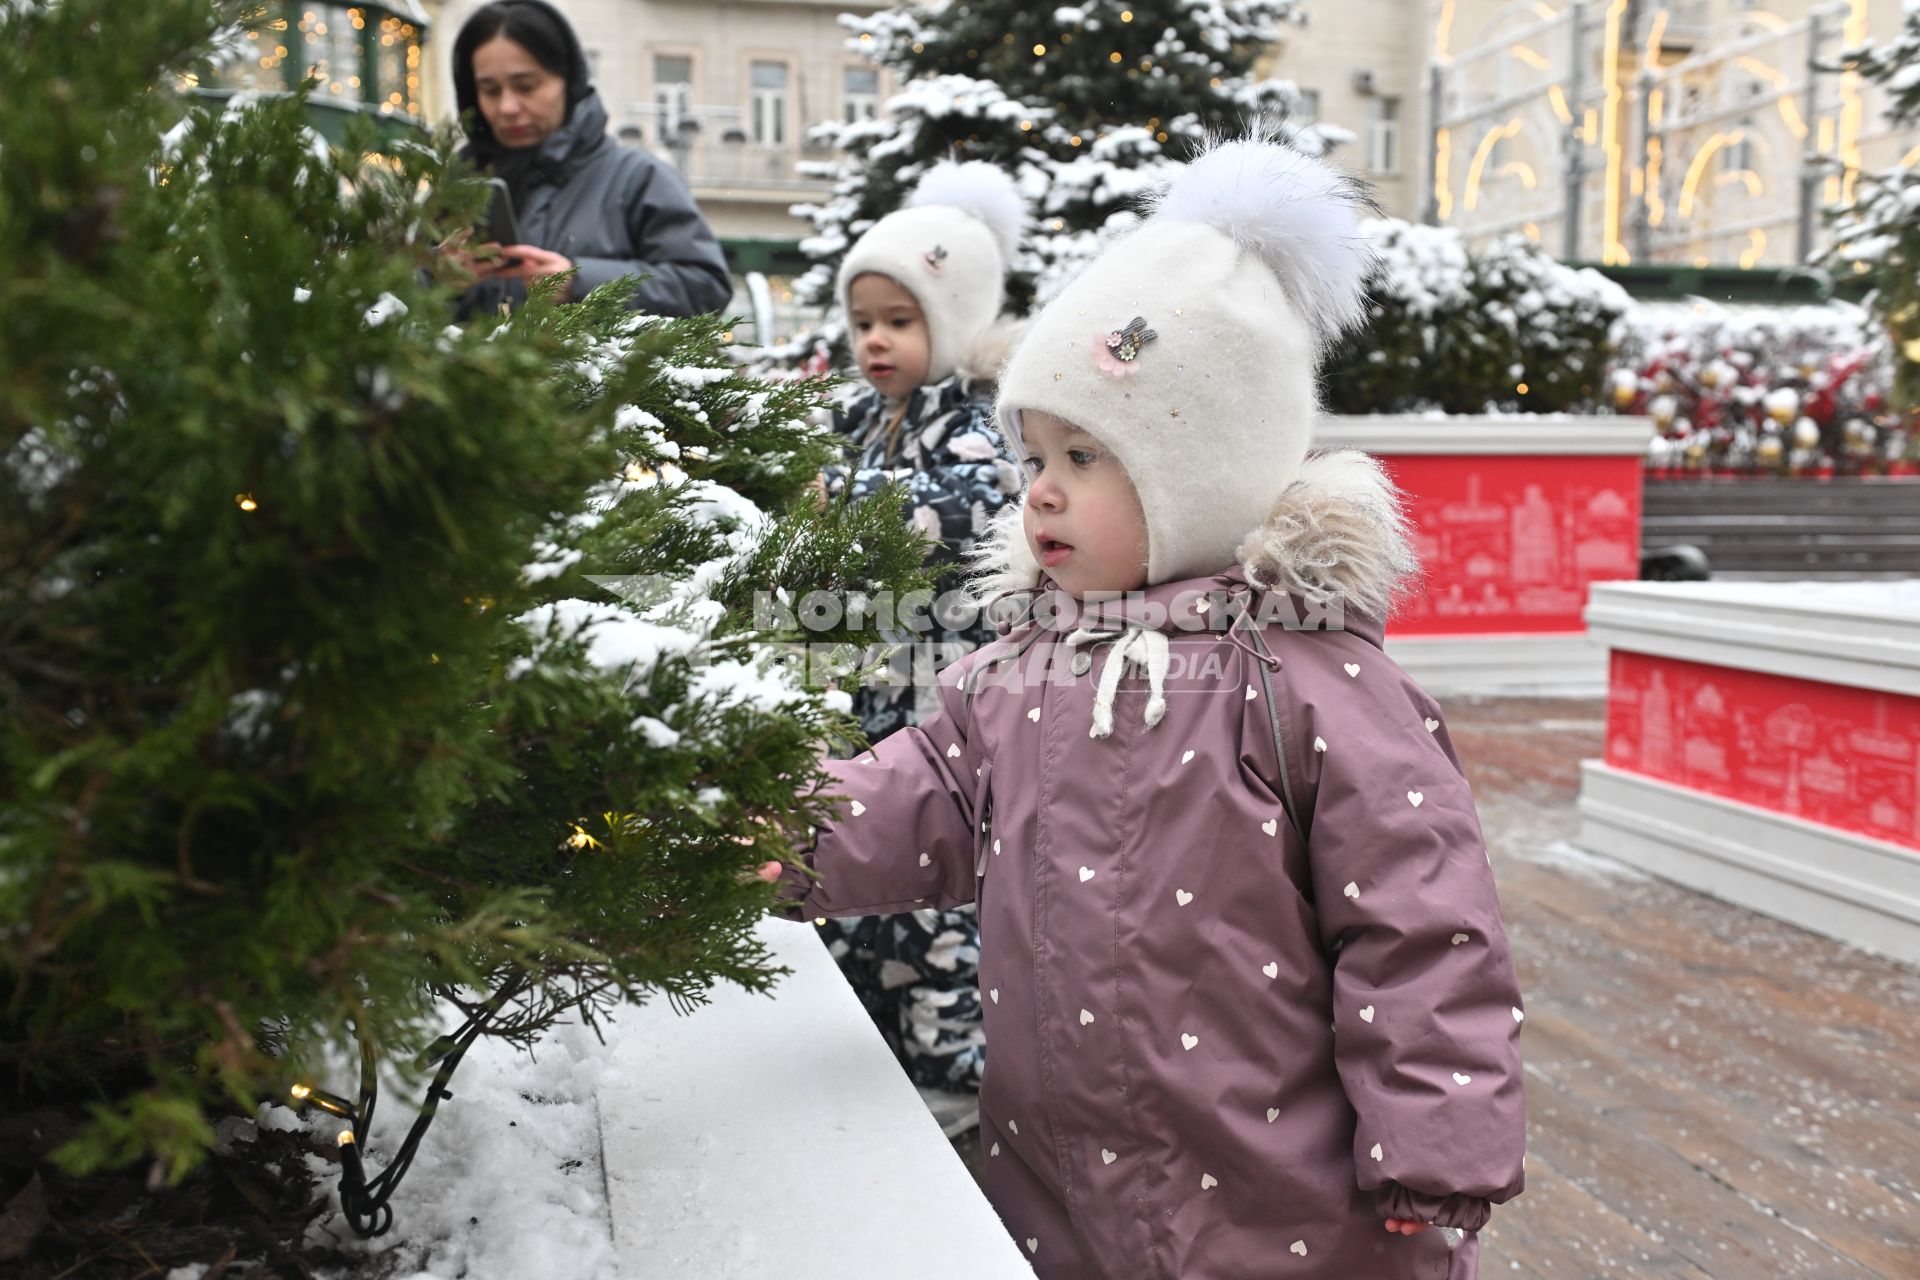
column 1613, row 249
column 1532, row 57
column 1039, row 51
column 245, row 502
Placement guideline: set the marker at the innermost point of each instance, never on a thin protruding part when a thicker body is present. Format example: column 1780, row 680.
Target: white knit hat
column 949, row 247
column 1189, row 348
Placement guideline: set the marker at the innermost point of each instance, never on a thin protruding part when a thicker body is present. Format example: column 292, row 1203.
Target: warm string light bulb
column 245, row 502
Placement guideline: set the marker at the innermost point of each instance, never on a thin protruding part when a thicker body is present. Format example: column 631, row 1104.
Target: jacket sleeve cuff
column 1468, row 1213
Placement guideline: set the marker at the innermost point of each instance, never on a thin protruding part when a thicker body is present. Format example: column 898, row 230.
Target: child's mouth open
column 1053, row 551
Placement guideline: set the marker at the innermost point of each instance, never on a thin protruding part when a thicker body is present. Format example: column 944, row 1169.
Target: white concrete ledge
column 1852, row 887
column 1491, row 664
column 1866, row 635
column 1520, row 434
column 775, row 1136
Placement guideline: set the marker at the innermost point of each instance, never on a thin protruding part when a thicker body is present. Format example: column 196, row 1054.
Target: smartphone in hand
column 502, row 225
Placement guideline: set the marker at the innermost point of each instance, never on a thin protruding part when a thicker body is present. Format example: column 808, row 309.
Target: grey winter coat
column 615, row 211
column 1248, row 990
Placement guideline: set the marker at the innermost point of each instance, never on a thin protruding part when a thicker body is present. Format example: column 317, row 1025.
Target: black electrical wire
column 363, row 1200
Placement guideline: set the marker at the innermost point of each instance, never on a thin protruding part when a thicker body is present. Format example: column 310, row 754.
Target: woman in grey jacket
column 585, row 204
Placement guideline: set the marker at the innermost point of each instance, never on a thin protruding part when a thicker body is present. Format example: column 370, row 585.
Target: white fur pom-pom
column 981, row 189
column 1299, row 214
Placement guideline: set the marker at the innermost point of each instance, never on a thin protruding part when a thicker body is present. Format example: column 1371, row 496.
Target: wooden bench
column 1860, row 527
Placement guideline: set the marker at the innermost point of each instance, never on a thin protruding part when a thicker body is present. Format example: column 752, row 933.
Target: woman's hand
column 1406, row 1226
column 530, row 263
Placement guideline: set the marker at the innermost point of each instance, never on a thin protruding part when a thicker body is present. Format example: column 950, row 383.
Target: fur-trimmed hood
column 1338, row 531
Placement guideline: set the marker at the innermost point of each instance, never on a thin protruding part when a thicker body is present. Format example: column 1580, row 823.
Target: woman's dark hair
column 536, row 27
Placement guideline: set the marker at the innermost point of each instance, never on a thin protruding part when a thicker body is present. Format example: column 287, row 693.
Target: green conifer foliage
column 313, row 727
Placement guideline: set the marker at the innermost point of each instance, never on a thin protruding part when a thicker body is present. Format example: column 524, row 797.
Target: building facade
column 1623, row 132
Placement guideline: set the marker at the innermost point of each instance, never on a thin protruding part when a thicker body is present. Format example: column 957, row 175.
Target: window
column 1309, row 109
column 1739, row 151
column 672, row 93
column 1383, row 135
column 862, row 94
column 768, row 111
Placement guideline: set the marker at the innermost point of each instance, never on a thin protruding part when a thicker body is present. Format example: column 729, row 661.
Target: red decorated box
column 1514, row 519
column 1763, row 744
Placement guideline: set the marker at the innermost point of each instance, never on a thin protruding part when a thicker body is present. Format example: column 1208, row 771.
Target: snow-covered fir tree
column 1881, row 230
column 319, row 728
column 1088, row 105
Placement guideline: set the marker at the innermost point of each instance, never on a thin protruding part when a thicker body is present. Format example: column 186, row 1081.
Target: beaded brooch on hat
column 1117, row 352
column 936, row 258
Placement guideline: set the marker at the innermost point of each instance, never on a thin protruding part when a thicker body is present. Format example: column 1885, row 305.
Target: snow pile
column 508, row 1181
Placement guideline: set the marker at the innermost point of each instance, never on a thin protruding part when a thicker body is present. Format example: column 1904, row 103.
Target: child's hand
column 1406, row 1226
column 770, row 871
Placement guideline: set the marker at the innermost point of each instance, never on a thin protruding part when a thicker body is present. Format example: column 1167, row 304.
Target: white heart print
column 1086, row 874
column 1320, row 745
column 1459, row 938
column 1353, row 669
column 1352, row 890
column 996, row 848
column 925, row 861
column 1251, row 695
column 1462, row 1079
column 1187, row 1042
column 858, row 808
column 1366, row 1014
column 1271, row 969
column 1013, row 1127
column 1085, row 1017
column 1208, row 1182
column 1299, row 1247
column 1270, row 826
column 1200, row 605
column 1416, row 798
column 1033, row 1245
column 1182, row 897
column 995, row 993
column 953, row 751
column 1185, row 758
column 1034, row 715
column 1519, row 1016
column 1432, row 724
column 995, row 1151
column 1376, row 1153
column 1107, row 1157
column 1273, row 1113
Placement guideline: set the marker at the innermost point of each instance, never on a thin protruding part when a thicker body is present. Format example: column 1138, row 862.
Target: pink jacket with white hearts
column 1248, row 992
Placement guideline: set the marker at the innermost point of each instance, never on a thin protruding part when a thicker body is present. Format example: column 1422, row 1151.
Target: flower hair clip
column 1117, row 352
column 935, row 258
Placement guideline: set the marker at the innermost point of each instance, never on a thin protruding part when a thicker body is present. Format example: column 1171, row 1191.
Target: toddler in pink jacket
column 1250, row 1006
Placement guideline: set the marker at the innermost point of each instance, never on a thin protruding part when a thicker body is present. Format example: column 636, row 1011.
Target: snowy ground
column 508, row 1183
